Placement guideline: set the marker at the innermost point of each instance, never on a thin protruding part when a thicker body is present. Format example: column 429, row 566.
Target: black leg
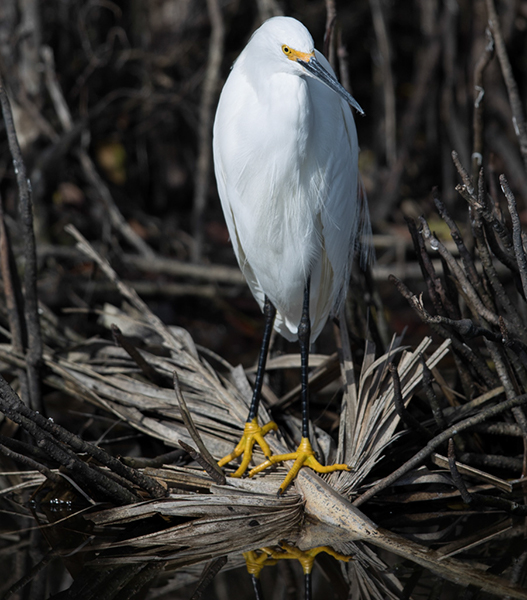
column 307, row 586
column 304, row 455
column 270, row 313
column 257, row 587
column 304, row 335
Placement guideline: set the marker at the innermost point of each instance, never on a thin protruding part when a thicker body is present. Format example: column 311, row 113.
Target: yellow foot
column 252, row 434
column 303, row 456
column 256, row 560
column 305, row 558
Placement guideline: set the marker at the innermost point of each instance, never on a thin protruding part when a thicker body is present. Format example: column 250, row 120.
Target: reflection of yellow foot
column 303, row 456
column 252, row 434
column 256, row 560
column 306, row 558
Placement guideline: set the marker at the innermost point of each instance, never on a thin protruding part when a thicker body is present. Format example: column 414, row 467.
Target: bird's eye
column 286, row 50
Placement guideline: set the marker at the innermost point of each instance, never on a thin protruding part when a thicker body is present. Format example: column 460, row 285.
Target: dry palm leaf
column 198, row 527
column 373, row 581
column 215, row 520
column 105, row 375
column 369, row 419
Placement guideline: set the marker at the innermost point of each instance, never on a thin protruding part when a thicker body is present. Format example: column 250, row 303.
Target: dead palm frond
column 200, row 520
column 105, row 375
column 369, row 417
column 192, row 528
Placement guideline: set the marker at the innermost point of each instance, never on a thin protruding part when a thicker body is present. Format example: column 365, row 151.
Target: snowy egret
column 286, row 163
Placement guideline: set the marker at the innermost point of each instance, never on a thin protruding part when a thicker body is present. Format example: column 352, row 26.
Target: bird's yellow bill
column 297, row 55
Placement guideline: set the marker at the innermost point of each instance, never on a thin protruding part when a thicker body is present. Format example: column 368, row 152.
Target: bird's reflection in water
column 268, row 556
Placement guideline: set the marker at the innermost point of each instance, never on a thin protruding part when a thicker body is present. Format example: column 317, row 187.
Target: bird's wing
column 228, row 197
column 265, row 211
column 286, row 330
column 343, row 211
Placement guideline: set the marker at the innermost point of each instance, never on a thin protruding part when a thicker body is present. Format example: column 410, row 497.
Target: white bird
column 286, row 163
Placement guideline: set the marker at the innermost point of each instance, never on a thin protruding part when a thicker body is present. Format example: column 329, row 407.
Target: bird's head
column 285, row 42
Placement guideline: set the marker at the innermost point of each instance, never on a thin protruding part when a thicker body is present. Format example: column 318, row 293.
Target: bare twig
column 461, row 348
column 208, row 96
column 37, row 426
column 12, row 289
column 518, row 117
column 431, row 396
column 215, row 472
column 209, row 572
column 138, row 462
column 34, row 338
column 488, row 266
column 473, row 300
column 411, row 119
column 30, row 575
column 329, row 33
column 53, row 436
column 433, row 282
column 516, row 233
column 465, row 177
column 127, row 292
column 170, row 266
column 156, row 264
column 30, row 463
column 61, row 107
column 493, row 461
column 479, row 92
column 13, row 299
column 137, row 357
column 468, row 264
column 29, row 47
column 444, row 436
column 410, row 421
column 116, row 217
column 493, row 225
column 383, row 43
column 456, row 476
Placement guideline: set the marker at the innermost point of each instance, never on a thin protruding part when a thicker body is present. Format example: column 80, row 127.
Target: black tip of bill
column 316, row 70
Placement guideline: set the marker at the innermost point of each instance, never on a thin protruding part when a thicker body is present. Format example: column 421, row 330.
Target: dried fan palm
column 201, row 520
column 206, row 525
column 369, row 418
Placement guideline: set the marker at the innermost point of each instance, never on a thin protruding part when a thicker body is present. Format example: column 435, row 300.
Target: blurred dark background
column 114, row 103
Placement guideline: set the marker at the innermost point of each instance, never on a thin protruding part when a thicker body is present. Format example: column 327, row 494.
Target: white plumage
column 285, row 155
